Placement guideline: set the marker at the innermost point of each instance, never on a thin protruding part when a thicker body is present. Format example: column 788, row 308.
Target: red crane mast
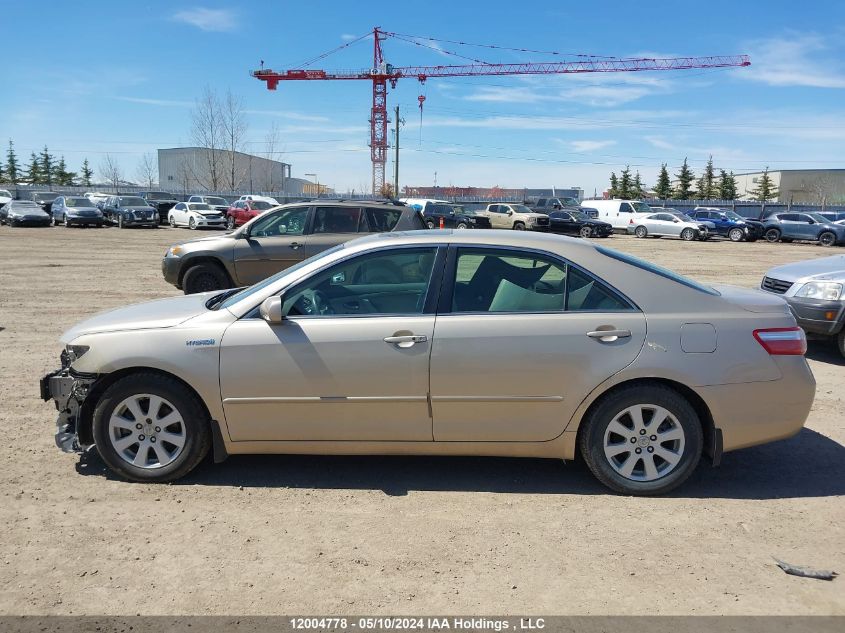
column 381, row 73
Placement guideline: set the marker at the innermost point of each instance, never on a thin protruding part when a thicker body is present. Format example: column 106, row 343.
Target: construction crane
column 381, row 73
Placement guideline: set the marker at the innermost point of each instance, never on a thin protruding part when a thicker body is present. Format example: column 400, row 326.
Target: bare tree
column 147, row 170
column 272, row 152
column 111, row 171
column 208, row 133
column 234, row 129
column 183, row 175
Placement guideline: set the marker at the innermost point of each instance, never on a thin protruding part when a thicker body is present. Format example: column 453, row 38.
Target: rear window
column 384, row 220
column 657, row 270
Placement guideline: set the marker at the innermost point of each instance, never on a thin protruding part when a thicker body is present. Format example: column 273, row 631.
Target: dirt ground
column 376, row 535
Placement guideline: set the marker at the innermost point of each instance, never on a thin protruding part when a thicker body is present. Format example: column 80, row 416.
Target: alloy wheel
column 147, row 431
column 586, row 231
column 644, row 442
column 827, row 239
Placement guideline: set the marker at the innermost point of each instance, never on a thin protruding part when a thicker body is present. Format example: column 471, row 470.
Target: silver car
column 442, row 343
column 667, row 225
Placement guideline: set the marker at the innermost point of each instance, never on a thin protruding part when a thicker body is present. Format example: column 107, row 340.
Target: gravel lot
column 361, row 535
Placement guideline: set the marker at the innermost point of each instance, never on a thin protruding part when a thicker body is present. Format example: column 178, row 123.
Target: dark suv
column 453, row 216
column 277, row 239
column 803, row 226
column 129, row 211
column 161, row 200
column 729, row 224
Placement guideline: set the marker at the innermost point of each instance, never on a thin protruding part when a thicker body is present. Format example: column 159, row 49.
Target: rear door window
column 336, row 220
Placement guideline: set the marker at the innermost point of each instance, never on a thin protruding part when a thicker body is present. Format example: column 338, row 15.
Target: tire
column 192, row 224
column 585, row 232
column 827, row 238
column 772, row 235
column 120, row 221
column 230, row 223
column 172, row 221
column 53, row 220
column 840, row 342
column 67, row 223
column 119, row 440
column 518, row 226
column 688, row 235
column 736, row 235
column 461, row 225
column 606, row 434
column 641, row 231
column 430, row 224
column 204, row 278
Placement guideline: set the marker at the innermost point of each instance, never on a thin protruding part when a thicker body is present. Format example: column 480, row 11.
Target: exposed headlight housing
column 174, row 251
column 826, row 290
column 75, row 352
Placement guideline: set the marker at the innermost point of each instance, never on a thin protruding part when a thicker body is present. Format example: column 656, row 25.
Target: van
column 619, row 213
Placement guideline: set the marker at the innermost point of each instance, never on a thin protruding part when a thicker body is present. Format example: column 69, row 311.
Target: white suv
column 515, row 216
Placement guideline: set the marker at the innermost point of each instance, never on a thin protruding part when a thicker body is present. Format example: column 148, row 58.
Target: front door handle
column 295, row 245
column 407, row 340
column 609, row 336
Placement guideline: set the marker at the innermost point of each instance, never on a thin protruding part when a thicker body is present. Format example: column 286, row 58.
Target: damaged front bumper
column 68, row 389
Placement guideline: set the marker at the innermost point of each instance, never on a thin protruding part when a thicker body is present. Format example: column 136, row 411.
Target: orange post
column 441, row 222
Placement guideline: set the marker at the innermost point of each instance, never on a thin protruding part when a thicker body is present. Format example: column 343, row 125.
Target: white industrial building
column 799, row 186
column 191, row 169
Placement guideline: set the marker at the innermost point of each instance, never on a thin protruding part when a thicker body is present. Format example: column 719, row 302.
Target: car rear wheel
column 828, row 238
column 772, row 235
column 151, row 428
column 688, row 235
column 172, row 221
column 430, row 224
column 642, row 440
column 585, row 231
column 735, row 235
column 641, row 231
column 204, row 278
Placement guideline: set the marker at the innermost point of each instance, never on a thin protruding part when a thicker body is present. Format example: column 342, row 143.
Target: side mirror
column 510, row 212
column 271, row 310
column 676, row 220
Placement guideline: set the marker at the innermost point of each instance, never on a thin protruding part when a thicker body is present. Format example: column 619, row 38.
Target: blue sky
column 89, row 78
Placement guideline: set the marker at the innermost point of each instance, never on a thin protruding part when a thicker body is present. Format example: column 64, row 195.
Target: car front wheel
column 642, row 440
column 688, row 235
column 828, row 238
column 735, row 235
column 585, row 231
column 230, row 223
column 192, row 224
column 840, row 341
column 204, row 278
column 151, row 428
column 519, row 226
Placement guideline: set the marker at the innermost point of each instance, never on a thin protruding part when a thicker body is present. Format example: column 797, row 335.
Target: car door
column 806, row 227
column 178, row 213
column 563, row 222
column 516, row 344
column 789, row 226
column 58, row 210
column 350, row 361
column 275, row 241
column 332, row 225
column 497, row 216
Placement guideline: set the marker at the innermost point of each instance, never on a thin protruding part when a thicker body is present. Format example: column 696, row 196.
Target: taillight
column 631, row 221
column 782, row 341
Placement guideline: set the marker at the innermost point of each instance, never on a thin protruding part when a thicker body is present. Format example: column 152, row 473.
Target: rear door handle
column 608, row 336
column 407, row 340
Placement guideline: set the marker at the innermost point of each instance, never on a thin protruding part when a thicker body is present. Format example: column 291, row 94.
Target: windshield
column 5, row 193
column 133, row 202
column 215, row 200
column 159, row 195
column 657, row 270
column 733, row 215
column 246, row 292
column 43, row 197
column 260, row 205
column 578, row 215
column 199, row 207
column 78, row 202
column 641, row 207
column 439, row 209
column 569, row 202
column 819, row 218
column 520, row 208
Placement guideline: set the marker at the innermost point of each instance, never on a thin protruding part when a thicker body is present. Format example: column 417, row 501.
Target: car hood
column 162, row 313
column 136, row 209
column 203, row 243
column 30, row 212
column 822, row 269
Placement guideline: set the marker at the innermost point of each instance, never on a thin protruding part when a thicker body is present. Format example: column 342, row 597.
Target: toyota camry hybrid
column 441, row 342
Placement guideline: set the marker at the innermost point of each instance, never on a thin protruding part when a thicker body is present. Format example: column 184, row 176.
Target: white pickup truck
column 515, row 216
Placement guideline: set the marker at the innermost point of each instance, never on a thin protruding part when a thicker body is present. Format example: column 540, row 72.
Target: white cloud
column 208, row 19
column 285, row 114
column 156, row 102
column 590, row 146
column 794, row 60
column 347, row 37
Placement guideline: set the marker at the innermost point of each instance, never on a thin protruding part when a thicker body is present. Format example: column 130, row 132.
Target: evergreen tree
column 12, row 169
column 727, row 185
column 765, row 189
column 637, row 188
column 63, row 176
column 33, row 170
column 707, row 182
column 2, row 173
column 663, row 189
column 47, row 167
column 685, row 179
column 87, row 173
column 625, row 184
column 613, row 192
